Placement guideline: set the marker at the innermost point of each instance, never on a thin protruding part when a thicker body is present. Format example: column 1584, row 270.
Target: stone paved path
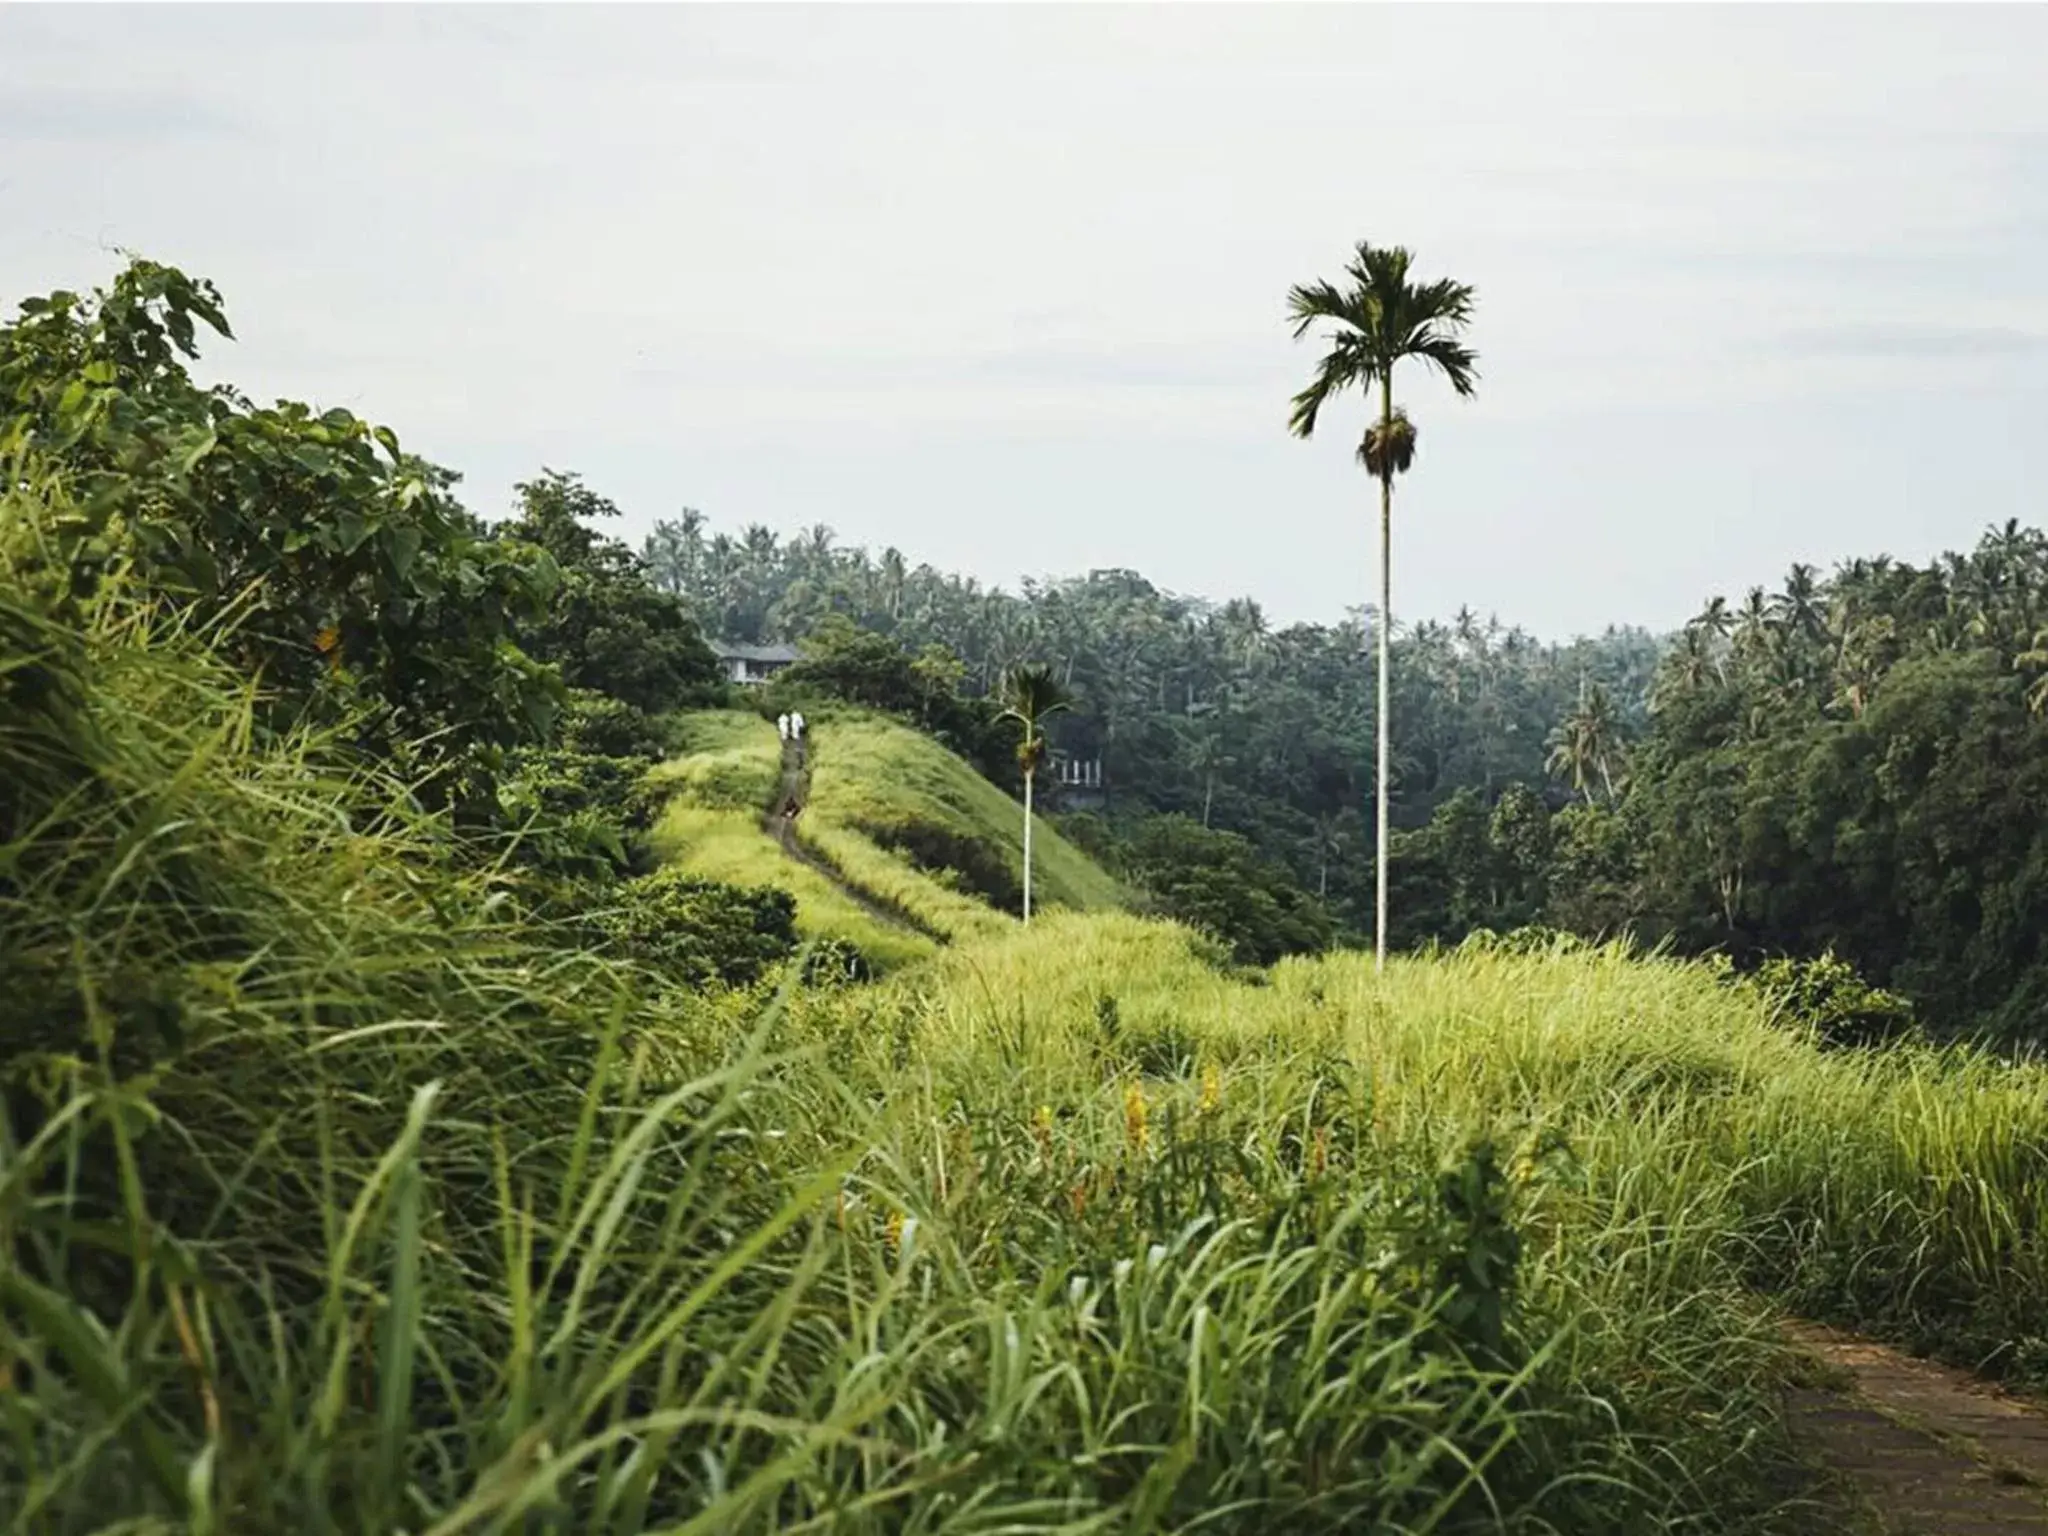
column 1932, row 1450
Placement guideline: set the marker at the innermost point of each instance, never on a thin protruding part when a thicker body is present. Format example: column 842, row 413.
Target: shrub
column 1828, row 996
column 699, row 931
column 1219, row 883
column 604, row 726
column 577, row 814
column 322, row 554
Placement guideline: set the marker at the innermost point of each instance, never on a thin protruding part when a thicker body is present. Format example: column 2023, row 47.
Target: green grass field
column 337, row 1197
column 725, row 759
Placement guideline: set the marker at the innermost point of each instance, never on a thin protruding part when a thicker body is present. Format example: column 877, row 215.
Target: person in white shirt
column 782, row 726
column 796, row 726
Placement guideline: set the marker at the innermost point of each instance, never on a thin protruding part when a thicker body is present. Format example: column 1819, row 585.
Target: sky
column 1005, row 286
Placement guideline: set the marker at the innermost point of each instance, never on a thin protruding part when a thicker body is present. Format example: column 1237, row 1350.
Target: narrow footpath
column 791, row 795
column 1925, row 1448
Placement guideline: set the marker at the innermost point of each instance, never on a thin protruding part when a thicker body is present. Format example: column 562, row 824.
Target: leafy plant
column 606, row 626
column 1826, row 995
column 699, row 931
column 337, row 567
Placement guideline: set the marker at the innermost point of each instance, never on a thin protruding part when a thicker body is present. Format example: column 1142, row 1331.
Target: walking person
column 796, row 726
column 782, row 726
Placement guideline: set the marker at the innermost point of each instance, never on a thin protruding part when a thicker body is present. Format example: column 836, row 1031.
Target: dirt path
column 1928, row 1449
column 791, row 795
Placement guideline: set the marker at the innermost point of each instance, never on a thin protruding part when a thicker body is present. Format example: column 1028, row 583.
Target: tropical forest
column 476, row 1057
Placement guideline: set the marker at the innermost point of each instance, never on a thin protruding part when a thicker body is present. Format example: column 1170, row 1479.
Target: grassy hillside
column 906, row 792
column 904, row 846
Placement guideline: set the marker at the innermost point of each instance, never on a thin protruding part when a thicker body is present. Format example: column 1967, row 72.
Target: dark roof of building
column 733, row 650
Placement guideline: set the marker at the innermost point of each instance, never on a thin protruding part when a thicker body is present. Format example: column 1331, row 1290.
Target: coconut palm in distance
column 1029, row 694
column 1381, row 318
column 1587, row 743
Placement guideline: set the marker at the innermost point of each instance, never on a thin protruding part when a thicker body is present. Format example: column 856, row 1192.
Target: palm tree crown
column 1379, row 320
column 1587, row 743
column 1029, row 694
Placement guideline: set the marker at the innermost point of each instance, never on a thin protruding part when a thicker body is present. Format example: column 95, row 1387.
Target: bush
column 1828, row 996
column 324, row 557
column 604, row 726
column 1217, row 882
column 699, row 931
column 579, row 815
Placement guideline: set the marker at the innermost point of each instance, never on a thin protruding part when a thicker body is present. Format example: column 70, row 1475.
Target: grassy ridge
column 906, row 791
column 725, row 759
column 722, row 781
column 730, row 846
column 913, row 843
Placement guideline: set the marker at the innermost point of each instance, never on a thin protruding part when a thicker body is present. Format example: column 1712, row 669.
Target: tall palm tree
column 1029, row 694
column 1382, row 318
column 1208, row 753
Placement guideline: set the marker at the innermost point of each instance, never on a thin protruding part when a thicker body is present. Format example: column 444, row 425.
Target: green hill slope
column 907, row 793
column 901, row 847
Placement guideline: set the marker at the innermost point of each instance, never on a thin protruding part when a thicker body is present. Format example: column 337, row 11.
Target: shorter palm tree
column 1587, row 743
column 1029, row 694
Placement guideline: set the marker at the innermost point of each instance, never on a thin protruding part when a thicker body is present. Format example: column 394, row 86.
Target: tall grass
column 1903, row 1190
column 730, row 845
column 926, row 902
column 403, row 1219
column 335, row 1196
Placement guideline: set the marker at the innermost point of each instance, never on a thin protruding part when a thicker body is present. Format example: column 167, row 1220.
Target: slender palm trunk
column 1379, row 948
column 1208, row 795
column 1027, row 844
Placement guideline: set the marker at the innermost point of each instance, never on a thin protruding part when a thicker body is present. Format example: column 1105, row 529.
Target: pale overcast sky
column 1005, row 287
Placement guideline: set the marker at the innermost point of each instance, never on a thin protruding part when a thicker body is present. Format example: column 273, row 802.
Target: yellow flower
column 1212, row 1089
column 1134, row 1117
column 1041, row 1129
column 1319, row 1152
column 892, row 1232
column 327, row 640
